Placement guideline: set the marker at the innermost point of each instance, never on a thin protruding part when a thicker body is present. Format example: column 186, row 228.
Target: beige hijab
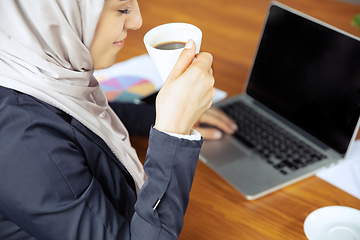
column 44, row 52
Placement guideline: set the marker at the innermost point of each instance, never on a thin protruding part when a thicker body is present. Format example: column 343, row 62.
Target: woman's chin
column 105, row 63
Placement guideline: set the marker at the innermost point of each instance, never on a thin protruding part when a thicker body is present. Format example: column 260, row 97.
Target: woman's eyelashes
column 125, row 11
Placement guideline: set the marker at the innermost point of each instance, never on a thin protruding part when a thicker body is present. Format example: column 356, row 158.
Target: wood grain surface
column 231, row 32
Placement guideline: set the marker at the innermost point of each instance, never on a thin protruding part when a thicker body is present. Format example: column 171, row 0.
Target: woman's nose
column 134, row 21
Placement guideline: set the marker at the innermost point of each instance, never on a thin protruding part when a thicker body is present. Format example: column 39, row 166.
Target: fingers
column 218, row 113
column 203, row 60
column 187, row 93
column 184, row 61
column 217, row 118
column 209, row 133
column 211, row 71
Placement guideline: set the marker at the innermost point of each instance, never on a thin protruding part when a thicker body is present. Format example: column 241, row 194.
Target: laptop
column 300, row 111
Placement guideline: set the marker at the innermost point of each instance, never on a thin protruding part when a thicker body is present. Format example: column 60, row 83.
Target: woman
column 67, row 169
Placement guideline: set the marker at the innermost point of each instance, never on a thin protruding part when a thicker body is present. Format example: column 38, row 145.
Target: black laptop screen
column 310, row 75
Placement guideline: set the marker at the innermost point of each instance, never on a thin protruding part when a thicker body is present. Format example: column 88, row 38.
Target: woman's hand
column 217, row 123
column 187, row 92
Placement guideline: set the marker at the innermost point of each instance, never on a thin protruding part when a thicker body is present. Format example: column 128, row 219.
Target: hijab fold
column 44, row 52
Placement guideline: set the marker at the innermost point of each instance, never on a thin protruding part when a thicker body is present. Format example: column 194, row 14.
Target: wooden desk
column 231, row 31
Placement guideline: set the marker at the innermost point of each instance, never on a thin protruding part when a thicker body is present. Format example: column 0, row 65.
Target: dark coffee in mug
column 170, row 45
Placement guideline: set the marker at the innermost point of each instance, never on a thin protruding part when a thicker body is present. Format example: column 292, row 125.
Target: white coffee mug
column 165, row 60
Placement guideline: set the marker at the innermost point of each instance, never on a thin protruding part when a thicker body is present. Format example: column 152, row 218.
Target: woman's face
column 116, row 18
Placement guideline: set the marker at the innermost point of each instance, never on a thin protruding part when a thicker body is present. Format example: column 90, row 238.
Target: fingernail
column 217, row 135
column 189, row 44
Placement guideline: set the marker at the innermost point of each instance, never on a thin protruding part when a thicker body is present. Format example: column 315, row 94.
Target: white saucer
column 333, row 223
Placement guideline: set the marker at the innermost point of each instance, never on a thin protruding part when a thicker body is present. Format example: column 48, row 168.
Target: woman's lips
column 120, row 44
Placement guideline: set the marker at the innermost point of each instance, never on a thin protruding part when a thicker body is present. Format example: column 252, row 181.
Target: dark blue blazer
column 59, row 180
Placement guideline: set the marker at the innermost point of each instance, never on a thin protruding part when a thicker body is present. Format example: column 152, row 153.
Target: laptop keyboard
column 282, row 150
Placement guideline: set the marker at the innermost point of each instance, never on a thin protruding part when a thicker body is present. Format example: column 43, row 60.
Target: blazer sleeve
column 47, row 190
column 170, row 165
